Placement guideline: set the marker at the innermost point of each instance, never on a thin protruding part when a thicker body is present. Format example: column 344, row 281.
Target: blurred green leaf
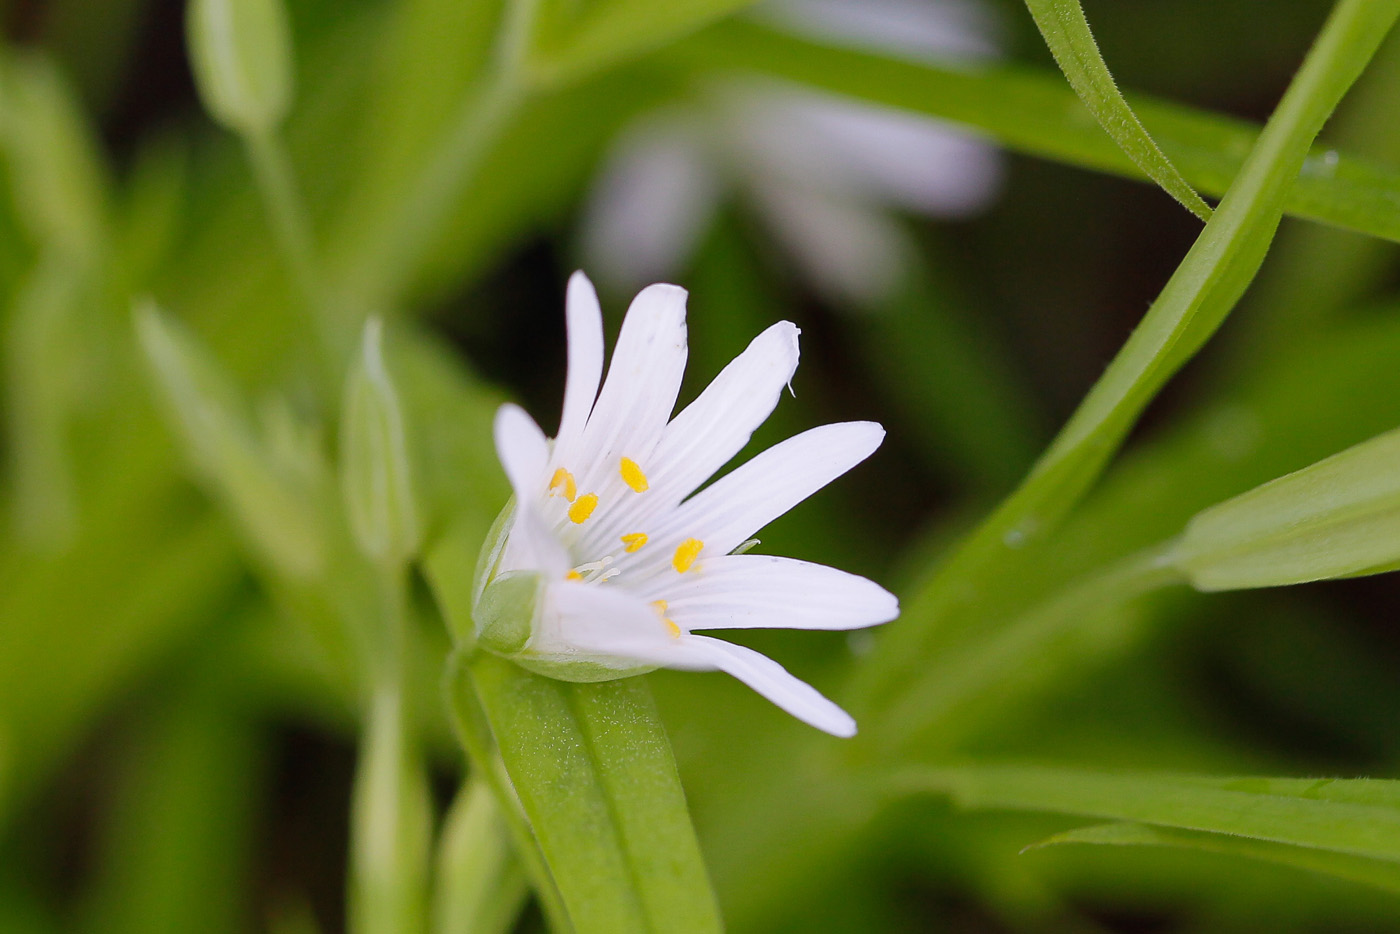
column 1378, row 873
column 1337, row 824
column 1031, row 112
column 594, row 772
column 1066, row 32
column 479, row 887
column 1339, row 517
column 284, row 523
column 609, row 32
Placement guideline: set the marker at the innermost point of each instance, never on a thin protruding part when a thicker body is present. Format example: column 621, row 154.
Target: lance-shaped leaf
column 1378, row 873
column 1358, row 817
column 280, row 519
column 593, row 769
column 1066, row 32
column 1339, row 517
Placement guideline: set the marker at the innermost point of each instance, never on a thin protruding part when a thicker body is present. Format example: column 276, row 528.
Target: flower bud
column 375, row 471
column 1339, row 517
column 240, row 51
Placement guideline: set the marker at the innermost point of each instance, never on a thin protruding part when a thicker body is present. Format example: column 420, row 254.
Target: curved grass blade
column 1377, row 873
column 1369, row 830
column 1066, row 32
column 1192, row 305
column 1033, row 113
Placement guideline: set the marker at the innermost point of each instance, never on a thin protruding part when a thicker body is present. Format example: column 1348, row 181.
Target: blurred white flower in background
column 827, row 174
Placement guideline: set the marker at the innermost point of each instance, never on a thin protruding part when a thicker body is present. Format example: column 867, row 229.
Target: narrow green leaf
column 1336, row 518
column 1187, row 802
column 593, row 770
column 1194, row 302
column 479, row 886
column 1382, row 875
column 1032, row 113
column 610, row 33
column 1066, row 32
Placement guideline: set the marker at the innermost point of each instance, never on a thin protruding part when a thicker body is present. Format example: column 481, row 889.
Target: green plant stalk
column 381, row 275
column 1066, row 32
column 472, row 731
column 291, row 224
column 391, row 819
column 1195, row 301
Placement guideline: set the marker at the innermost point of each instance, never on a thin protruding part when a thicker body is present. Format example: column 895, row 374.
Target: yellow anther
column 675, row 630
column 573, row 576
column 632, row 475
column 562, row 478
column 659, row 606
column 634, row 541
column 583, row 507
column 686, row 553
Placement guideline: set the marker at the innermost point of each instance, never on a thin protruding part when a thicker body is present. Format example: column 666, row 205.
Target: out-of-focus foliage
column 240, row 524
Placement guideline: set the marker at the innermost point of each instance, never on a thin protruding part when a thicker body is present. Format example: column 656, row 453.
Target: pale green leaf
column 1341, row 825
column 1378, row 873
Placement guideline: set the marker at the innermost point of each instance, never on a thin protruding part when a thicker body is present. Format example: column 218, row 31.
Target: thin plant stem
column 291, row 225
column 390, row 822
column 469, row 720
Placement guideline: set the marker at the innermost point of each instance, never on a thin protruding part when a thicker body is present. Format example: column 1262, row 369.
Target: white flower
column 826, row 173
column 616, row 564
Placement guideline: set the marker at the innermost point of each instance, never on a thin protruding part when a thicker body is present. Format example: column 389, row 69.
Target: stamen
column 659, row 606
column 562, row 478
column 573, row 576
column 675, row 630
column 686, row 553
column 632, row 475
column 634, row 541
column 583, row 507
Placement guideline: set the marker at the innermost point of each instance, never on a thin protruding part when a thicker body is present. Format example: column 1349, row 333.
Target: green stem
column 291, row 225
column 472, row 731
column 478, row 124
column 391, row 819
column 1205, row 287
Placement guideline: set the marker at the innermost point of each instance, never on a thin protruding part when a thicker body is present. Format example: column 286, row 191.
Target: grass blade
column 1066, row 32
column 1186, row 802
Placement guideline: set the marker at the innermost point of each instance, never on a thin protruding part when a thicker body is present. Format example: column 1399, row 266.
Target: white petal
column 653, row 198
column 604, row 621
column 773, row 681
column 584, row 321
column 728, row 512
column 524, row 452
column 717, row 425
column 764, row 592
column 640, row 391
